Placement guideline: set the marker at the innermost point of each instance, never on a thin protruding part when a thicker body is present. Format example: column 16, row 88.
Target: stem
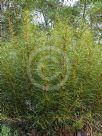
column 84, row 10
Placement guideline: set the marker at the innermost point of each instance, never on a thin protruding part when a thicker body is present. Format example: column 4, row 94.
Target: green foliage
column 6, row 131
column 71, row 106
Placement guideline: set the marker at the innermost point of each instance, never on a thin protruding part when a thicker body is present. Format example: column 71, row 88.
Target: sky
column 69, row 2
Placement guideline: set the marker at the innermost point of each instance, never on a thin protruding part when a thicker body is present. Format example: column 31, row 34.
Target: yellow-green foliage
column 72, row 105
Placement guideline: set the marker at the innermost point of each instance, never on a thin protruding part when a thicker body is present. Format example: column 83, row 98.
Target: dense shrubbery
column 73, row 106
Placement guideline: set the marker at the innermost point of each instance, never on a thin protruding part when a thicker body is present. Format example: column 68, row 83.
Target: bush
column 51, row 109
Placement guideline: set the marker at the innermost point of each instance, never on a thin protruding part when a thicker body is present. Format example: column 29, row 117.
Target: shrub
column 73, row 104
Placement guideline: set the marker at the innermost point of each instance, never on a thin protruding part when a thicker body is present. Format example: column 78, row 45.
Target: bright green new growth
column 72, row 106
